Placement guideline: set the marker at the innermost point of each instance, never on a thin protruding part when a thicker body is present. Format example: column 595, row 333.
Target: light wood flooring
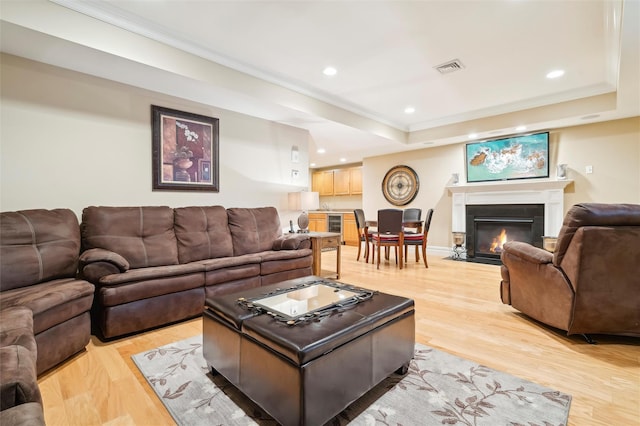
column 458, row 310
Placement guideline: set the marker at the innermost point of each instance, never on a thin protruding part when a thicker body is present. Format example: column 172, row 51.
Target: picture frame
column 185, row 150
column 514, row 157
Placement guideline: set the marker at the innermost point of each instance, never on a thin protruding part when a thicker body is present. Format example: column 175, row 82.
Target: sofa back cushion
column 253, row 229
column 37, row 245
column 202, row 233
column 593, row 214
column 144, row 236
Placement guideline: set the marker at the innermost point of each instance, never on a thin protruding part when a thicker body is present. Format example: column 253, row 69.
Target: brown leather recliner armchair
column 591, row 283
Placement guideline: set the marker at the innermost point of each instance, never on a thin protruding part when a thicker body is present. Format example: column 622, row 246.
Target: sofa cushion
column 202, row 233
column 16, row 328
column 149, row 288
column 19, row 384
column 286, row 260
column 37, row 245
column 253, row 229
column 134, row 276
column 230, row 269
column 227, row 275
column 144, row 236
column 24, row 414
column 231, row 262
column 52, row 302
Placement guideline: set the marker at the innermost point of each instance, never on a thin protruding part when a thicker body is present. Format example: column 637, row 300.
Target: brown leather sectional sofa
column 590, row 284
column 150, row 265
column 155, row 265
column 44, row 308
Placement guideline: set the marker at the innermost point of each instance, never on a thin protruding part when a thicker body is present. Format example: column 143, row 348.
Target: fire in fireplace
column 490, row 226
column 498, row 242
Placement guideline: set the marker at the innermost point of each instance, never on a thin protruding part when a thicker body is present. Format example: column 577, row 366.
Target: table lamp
column 304, row 201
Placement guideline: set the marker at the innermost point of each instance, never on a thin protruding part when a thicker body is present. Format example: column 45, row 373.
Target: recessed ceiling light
column 555, row 74
column 409, row 110
column 321, row 151
column 312, row 165
column 330, row 71
column 342, row 160
column 472, row 135
column 521, row 128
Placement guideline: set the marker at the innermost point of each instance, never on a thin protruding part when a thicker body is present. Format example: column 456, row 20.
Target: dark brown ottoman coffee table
column 305, row 368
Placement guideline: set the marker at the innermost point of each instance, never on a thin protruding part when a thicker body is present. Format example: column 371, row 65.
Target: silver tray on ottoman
column 306, row 301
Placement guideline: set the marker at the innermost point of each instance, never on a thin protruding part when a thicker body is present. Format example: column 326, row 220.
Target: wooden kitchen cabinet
column 318, row 222
column 346, row 181
column 322, row 182
column 350, row 230
column 341, row 182
column 355, row 181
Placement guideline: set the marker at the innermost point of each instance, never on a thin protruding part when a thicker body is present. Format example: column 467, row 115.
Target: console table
column 324, row 241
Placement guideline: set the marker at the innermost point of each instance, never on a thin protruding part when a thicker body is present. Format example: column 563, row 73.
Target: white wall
column 71, row 140
column 434, row 167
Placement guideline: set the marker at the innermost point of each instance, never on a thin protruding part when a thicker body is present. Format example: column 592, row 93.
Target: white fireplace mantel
column 547, row 192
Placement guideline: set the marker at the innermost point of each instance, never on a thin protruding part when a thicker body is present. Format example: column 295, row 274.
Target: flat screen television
column 515, row 157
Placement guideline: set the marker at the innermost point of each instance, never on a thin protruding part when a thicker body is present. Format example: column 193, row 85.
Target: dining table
column 417, row 224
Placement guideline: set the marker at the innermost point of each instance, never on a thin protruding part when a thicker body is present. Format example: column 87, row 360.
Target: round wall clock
column 400, row 185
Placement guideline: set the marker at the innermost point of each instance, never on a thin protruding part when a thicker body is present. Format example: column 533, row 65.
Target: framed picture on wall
column 184, row 151
column 516, row 157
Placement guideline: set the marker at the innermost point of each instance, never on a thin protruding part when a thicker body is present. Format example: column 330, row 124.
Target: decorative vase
column 549, row 243
column 181, row 174
column 561, row 171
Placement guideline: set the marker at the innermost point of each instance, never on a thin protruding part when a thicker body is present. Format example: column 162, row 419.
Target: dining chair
column 364, row 235
column 408, row 216
column 389, row 234
column 419, row 239
column 411, row 215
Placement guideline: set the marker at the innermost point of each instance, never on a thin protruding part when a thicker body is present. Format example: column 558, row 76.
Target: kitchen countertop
column 339, row 211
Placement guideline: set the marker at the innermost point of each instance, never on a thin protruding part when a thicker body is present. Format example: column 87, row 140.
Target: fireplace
column 488, row 227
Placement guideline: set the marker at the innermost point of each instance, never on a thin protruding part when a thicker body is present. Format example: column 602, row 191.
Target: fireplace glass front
column 490, row 226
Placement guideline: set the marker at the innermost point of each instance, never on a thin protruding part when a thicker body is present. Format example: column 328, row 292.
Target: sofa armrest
column 532, row 284
column 527, row 252
column 292, row 242
column 96, row 263
column 528, row 256
column 102, row 255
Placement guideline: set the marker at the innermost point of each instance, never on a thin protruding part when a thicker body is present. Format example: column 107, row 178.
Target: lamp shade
column 304, row 200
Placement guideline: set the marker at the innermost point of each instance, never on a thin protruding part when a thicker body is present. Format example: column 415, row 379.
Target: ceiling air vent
column 450, row 66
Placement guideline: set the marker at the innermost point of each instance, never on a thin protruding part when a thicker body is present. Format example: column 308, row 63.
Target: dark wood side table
column 324, row 241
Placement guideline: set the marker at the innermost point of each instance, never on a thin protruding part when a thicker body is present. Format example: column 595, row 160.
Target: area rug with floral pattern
column 438, row 389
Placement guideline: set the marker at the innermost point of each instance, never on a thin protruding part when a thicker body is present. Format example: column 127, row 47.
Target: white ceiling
column 385, row 53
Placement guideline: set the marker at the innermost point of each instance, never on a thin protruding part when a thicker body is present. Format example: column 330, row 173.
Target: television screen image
column 516, row 157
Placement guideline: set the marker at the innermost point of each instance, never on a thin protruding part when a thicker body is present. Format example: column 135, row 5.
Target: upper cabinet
column 341, row 182
column 322, row 182
column 355, row 180
column 346, row 181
